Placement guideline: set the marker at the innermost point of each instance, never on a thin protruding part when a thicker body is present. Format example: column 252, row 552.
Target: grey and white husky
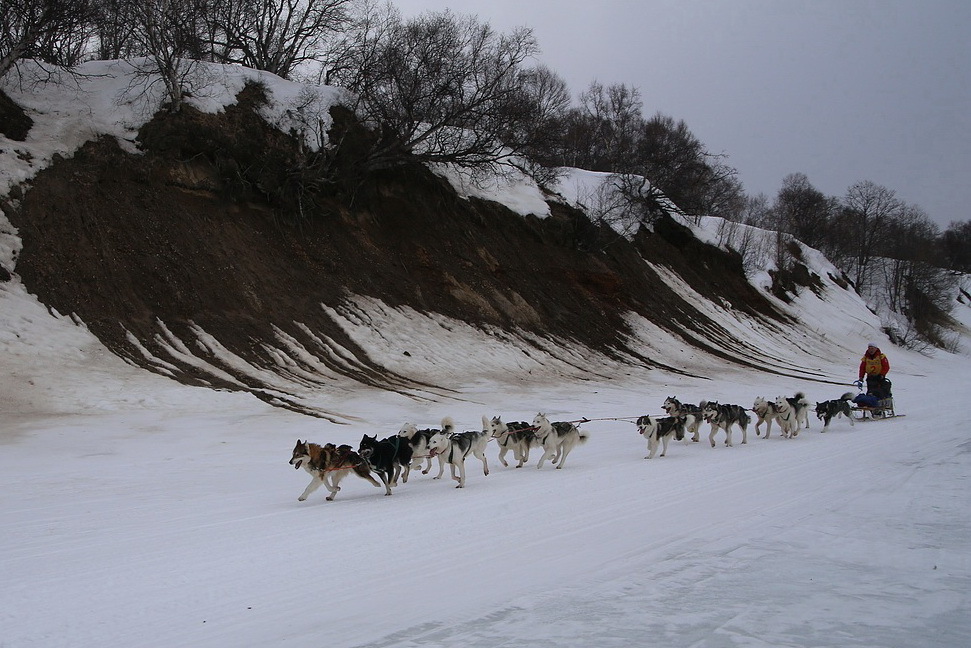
column 455, row 447
column 419, row 445
column 558, row 439
column 517, row 436
column 828, row 410
column 724, row 416
column 690, row 412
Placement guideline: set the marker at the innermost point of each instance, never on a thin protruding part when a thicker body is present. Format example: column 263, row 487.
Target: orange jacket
column 874, row 364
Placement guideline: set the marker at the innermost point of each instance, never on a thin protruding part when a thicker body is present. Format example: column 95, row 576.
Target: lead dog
column 724, row 416
column 517, row 436
column 455, row 447
column 659, row 431
column 328, row 465
column 558, row 439
column 690, row 412
column 828, row 410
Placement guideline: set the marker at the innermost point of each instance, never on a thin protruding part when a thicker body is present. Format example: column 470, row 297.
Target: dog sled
column 874, row 406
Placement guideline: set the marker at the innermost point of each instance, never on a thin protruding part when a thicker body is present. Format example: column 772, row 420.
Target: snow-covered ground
column 138, row 512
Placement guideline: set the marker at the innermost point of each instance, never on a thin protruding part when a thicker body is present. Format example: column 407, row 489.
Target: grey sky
column 841, row 90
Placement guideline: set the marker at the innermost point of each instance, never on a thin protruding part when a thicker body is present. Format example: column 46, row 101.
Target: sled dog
column 455, row 447
column 800, row 404
column 766, row 412
column 387, row 457
column 420, row 450
column 690, row 412
column 828, row 410
column 328, row 465
column 659, row 431
column 786, row 417
column 724, row 416
column 517, row 436
column 557, row 438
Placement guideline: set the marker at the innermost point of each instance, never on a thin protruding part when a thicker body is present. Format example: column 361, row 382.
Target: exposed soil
column 201, row 230
column 14, row 122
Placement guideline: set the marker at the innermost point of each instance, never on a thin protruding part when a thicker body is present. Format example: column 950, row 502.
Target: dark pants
column 878, row 386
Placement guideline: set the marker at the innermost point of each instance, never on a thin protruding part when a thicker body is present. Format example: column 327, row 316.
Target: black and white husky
column 455, row 447
column 828, row 410
column 659, row 431
column 517, row 436
column 691, row 413
column 724, row 416
column 420, row 451
column 766, row 412
column 557, row 438
column 800, row 404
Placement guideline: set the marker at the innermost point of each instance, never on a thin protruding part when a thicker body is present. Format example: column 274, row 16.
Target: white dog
column 787, row 418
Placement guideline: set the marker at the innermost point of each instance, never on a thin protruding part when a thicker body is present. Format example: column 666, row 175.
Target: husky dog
column 557, row 438
column 691, row 413
column 328, row 465
column 659, row 431
column 455, row 447
column 517, row 436
column 419, row 445
column 766, row 412
column 828, row 410
column 787, row 418
column 800, row 404
column 387, row 457
column 724, row 416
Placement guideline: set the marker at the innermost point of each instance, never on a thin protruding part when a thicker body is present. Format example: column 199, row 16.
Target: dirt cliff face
column 189, row 234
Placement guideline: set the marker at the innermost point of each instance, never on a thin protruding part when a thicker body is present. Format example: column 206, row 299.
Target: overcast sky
column 841, row 90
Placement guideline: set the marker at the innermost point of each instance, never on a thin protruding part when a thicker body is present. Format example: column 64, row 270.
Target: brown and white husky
column 328, row 465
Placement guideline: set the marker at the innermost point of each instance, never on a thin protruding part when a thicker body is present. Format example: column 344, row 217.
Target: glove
column 859, row 384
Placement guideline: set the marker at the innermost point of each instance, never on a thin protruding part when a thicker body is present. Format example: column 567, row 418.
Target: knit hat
column 872, row 344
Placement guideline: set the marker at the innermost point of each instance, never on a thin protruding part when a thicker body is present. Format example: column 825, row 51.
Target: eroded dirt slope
column 204, row 230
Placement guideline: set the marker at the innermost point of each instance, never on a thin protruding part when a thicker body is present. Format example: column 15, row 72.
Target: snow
column 139, row 512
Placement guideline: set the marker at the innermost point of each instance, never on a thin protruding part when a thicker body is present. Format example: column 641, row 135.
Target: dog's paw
column 301, row 499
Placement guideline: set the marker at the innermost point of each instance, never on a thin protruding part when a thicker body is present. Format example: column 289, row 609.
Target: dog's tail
column 848, row 396
column 448, row 425
column 583, row 435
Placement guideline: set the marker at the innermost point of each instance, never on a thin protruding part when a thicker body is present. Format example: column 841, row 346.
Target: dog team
column 393, row 458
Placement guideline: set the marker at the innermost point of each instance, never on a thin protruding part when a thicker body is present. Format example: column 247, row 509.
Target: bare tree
column 440, row 88
column 803, row 210
column 869, row 209
column 955, row 243
column 115, row 24
column 614, row 112
column 51, row 31
column 699, row 182
column 277, row 36
column 170, row 34
column 546, row 94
